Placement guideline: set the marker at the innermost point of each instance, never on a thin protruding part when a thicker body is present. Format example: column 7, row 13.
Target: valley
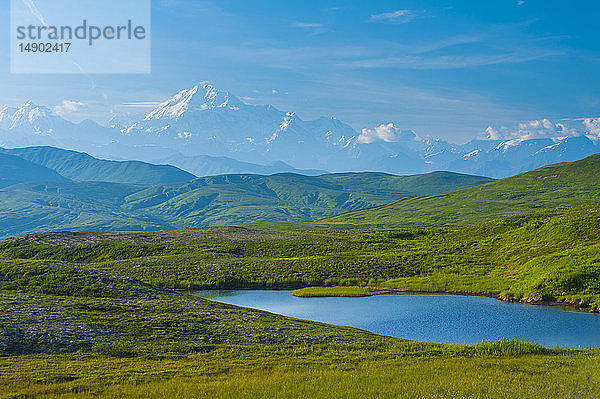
column 137, row 196
column 109, row 313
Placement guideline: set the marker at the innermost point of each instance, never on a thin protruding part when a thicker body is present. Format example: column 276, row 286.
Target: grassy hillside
column 71, row 330
column 555, row 254
column 15, row 170
column 208, row 201
column 49, row 206
column 85, row 314
column 554, row 186
column 80, row 166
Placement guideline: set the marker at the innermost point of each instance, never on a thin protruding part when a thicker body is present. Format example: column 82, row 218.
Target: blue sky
column 443, row 68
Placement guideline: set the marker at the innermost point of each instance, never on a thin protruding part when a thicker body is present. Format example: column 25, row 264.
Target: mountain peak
column 198, row 98
column 32, row 110
column 28, row 106
column 29, row 113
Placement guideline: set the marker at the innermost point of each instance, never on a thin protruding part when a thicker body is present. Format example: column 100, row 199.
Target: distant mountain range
column 34, row 125
column 206, row 165
column 208, row 131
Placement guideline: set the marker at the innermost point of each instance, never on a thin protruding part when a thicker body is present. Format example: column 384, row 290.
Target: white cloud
column 398, row 17
column 421, row 62
column 592, row 126
column 387, row 133
column 68, row 106
column 274, row 91
column 545, row 128
column 247, row 98
column 520, row 2
column 314, row 28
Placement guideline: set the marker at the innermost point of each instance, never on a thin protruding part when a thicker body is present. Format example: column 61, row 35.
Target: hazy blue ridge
column 83, row 167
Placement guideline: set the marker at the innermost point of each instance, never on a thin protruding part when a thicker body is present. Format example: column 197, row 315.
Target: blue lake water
column 436, row 318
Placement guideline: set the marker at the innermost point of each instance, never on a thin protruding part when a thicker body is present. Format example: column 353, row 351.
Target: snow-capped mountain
column 33, row 124
column 31, row 119
column 206, row 121
column 198, row 98
column 528, row 145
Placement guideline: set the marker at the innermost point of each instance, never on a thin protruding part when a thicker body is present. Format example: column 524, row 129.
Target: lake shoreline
column 397, row 291
column 568, row 305
column 442, row 317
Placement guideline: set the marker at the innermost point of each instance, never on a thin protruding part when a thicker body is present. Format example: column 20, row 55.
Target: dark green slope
column 208, row 201
column 83, row 167
column 50, row 206
column 559, row 185
column 235, row 199
column 14, row 170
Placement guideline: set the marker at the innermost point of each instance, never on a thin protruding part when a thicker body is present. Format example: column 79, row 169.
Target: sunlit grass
column 505, row 369
column 553, row 253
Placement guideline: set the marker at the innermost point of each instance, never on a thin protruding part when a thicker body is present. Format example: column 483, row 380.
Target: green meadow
column 553, row 253
column 110, row 314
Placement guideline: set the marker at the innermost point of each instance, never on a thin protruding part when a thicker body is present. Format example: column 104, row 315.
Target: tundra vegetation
column 95, row 314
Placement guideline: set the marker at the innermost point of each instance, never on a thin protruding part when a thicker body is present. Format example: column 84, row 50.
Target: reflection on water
column 437, row 318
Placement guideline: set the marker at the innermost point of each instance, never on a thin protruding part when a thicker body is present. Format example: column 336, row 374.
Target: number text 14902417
column 44, row 47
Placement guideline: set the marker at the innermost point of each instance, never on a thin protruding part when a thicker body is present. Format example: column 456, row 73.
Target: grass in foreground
column 506, row 369
column 529, row 377
column 111, row 336
column 311, row 292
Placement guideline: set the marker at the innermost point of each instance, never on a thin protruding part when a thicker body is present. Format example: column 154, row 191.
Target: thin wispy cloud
column 312, row 27
column 34, row 10
column 449, row 61
column 417, row 56
column 140, row 104
column 397, row 17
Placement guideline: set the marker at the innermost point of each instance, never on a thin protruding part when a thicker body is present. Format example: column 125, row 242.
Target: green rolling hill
column 15, row 170
column 80, row 166
column 209, row 201
column 549, row 187
column 46, row 206
column 94, row 300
